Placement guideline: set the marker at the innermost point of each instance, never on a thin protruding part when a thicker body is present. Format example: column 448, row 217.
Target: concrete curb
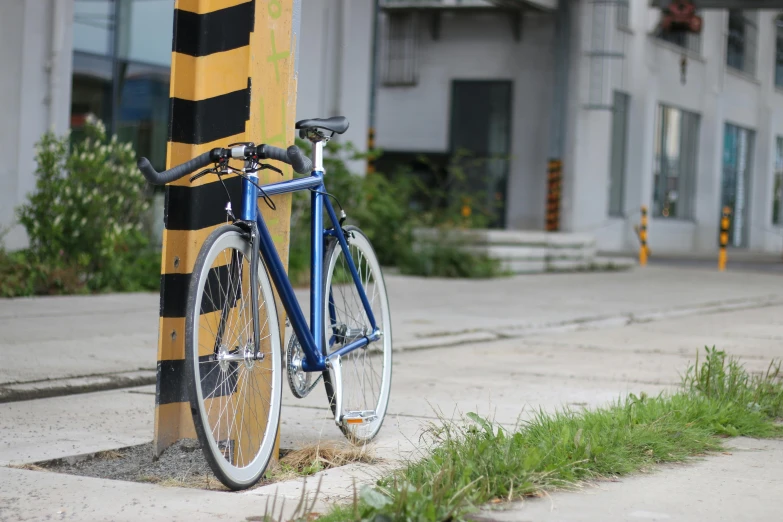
column 25, row 391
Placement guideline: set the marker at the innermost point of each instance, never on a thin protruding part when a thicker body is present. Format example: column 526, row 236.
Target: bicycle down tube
column 312, row 338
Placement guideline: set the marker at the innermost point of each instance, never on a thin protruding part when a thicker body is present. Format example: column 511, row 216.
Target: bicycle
column 233, row 353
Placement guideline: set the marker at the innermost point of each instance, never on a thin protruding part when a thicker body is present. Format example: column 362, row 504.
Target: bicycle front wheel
column 235, row 393
column 366, row 374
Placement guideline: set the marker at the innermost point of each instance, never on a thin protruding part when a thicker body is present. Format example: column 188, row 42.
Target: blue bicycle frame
column 312, row 338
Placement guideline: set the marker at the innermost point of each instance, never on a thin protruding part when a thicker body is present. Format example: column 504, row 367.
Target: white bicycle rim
column 245, row 374
column 364, row 386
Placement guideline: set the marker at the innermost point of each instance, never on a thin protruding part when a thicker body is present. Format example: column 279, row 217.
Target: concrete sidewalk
column 744, row 483
column 110, row 341
column 540, row 356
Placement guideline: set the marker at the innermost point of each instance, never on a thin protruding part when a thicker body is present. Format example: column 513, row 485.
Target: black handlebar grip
column 301, row 163
column 293, row 156
column 174, row 173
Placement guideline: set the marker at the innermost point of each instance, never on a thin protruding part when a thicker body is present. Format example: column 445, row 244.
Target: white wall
column 334, row 65
column 33, row 104
column 480, row 47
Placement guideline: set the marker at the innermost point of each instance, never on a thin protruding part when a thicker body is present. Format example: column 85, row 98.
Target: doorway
column 481, row 126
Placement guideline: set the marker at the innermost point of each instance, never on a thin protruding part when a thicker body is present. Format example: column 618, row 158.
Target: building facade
column 591, row 83
column 681, row 124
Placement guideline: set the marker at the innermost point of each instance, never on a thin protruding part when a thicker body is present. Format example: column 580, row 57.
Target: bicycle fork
column 254, row 264
column 247, row 352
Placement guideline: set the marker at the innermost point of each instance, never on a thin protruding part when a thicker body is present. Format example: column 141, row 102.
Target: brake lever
column 202, row 174
column 263, row 166
column 267, row 166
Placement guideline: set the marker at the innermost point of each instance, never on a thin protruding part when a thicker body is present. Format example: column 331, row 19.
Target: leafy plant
column 85, row 219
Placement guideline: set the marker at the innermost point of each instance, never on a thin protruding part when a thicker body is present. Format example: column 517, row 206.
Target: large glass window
column 147, row 28
column 121, row 70
column 735, row 184
column 777, row 194
column 143, row 111
column 741, row 44
column 618, row 154
column 676, row 151
column 481, row 126
column 92, row 88
column 141, row 32
column 93, row 22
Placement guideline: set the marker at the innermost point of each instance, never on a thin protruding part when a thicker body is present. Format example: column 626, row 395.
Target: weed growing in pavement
column 313, row 458
column 477, row 462
column 722, row 378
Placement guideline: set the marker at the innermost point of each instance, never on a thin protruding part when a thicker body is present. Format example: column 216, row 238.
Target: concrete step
column 528, row 251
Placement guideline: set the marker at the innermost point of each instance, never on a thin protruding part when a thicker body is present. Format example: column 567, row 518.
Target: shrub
column 84, row 220
column 443, row 257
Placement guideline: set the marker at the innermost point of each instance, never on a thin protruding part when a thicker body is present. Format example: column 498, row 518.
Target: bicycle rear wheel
column 366, row 373
column 235, row 395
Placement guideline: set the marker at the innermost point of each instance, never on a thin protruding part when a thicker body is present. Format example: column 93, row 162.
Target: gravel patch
column 182, row 465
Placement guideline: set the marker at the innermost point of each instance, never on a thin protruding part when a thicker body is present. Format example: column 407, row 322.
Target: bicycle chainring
column 300, row 381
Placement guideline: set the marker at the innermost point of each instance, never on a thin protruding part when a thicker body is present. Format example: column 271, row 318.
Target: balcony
column 539, row 5
column 515, row 9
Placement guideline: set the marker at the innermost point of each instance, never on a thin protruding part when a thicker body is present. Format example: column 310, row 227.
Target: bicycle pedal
column 359, row 417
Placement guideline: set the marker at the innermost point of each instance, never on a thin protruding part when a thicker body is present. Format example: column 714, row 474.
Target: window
column 92, row 26
column 480, row 142
column 618, row 152
column 121, row 71
column 623, row 13
column 141, row 33
column 777, row 194
column 400, row 53
column 735, row 183
column 779, row 51
column 741, row 45
column 676, row 151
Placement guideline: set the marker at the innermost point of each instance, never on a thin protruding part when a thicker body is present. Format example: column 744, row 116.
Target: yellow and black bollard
column 642, row 231
column 233, row 79
column 554, row 182
column 725, row 223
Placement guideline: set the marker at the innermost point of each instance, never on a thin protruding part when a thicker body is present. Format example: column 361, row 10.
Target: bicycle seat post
column 318, row 139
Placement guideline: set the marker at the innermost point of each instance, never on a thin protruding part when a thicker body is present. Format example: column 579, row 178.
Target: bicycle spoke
column 237, row 397
column 364, row 384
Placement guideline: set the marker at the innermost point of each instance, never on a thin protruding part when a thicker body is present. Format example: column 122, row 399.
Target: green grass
column 475, row 462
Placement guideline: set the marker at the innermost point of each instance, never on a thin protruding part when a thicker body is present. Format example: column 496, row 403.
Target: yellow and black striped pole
column 643, row 252
column 725, row 223
column 554, row 182
column 233, row 78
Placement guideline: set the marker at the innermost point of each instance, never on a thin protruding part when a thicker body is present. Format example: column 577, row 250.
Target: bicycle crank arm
column 336, row 364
